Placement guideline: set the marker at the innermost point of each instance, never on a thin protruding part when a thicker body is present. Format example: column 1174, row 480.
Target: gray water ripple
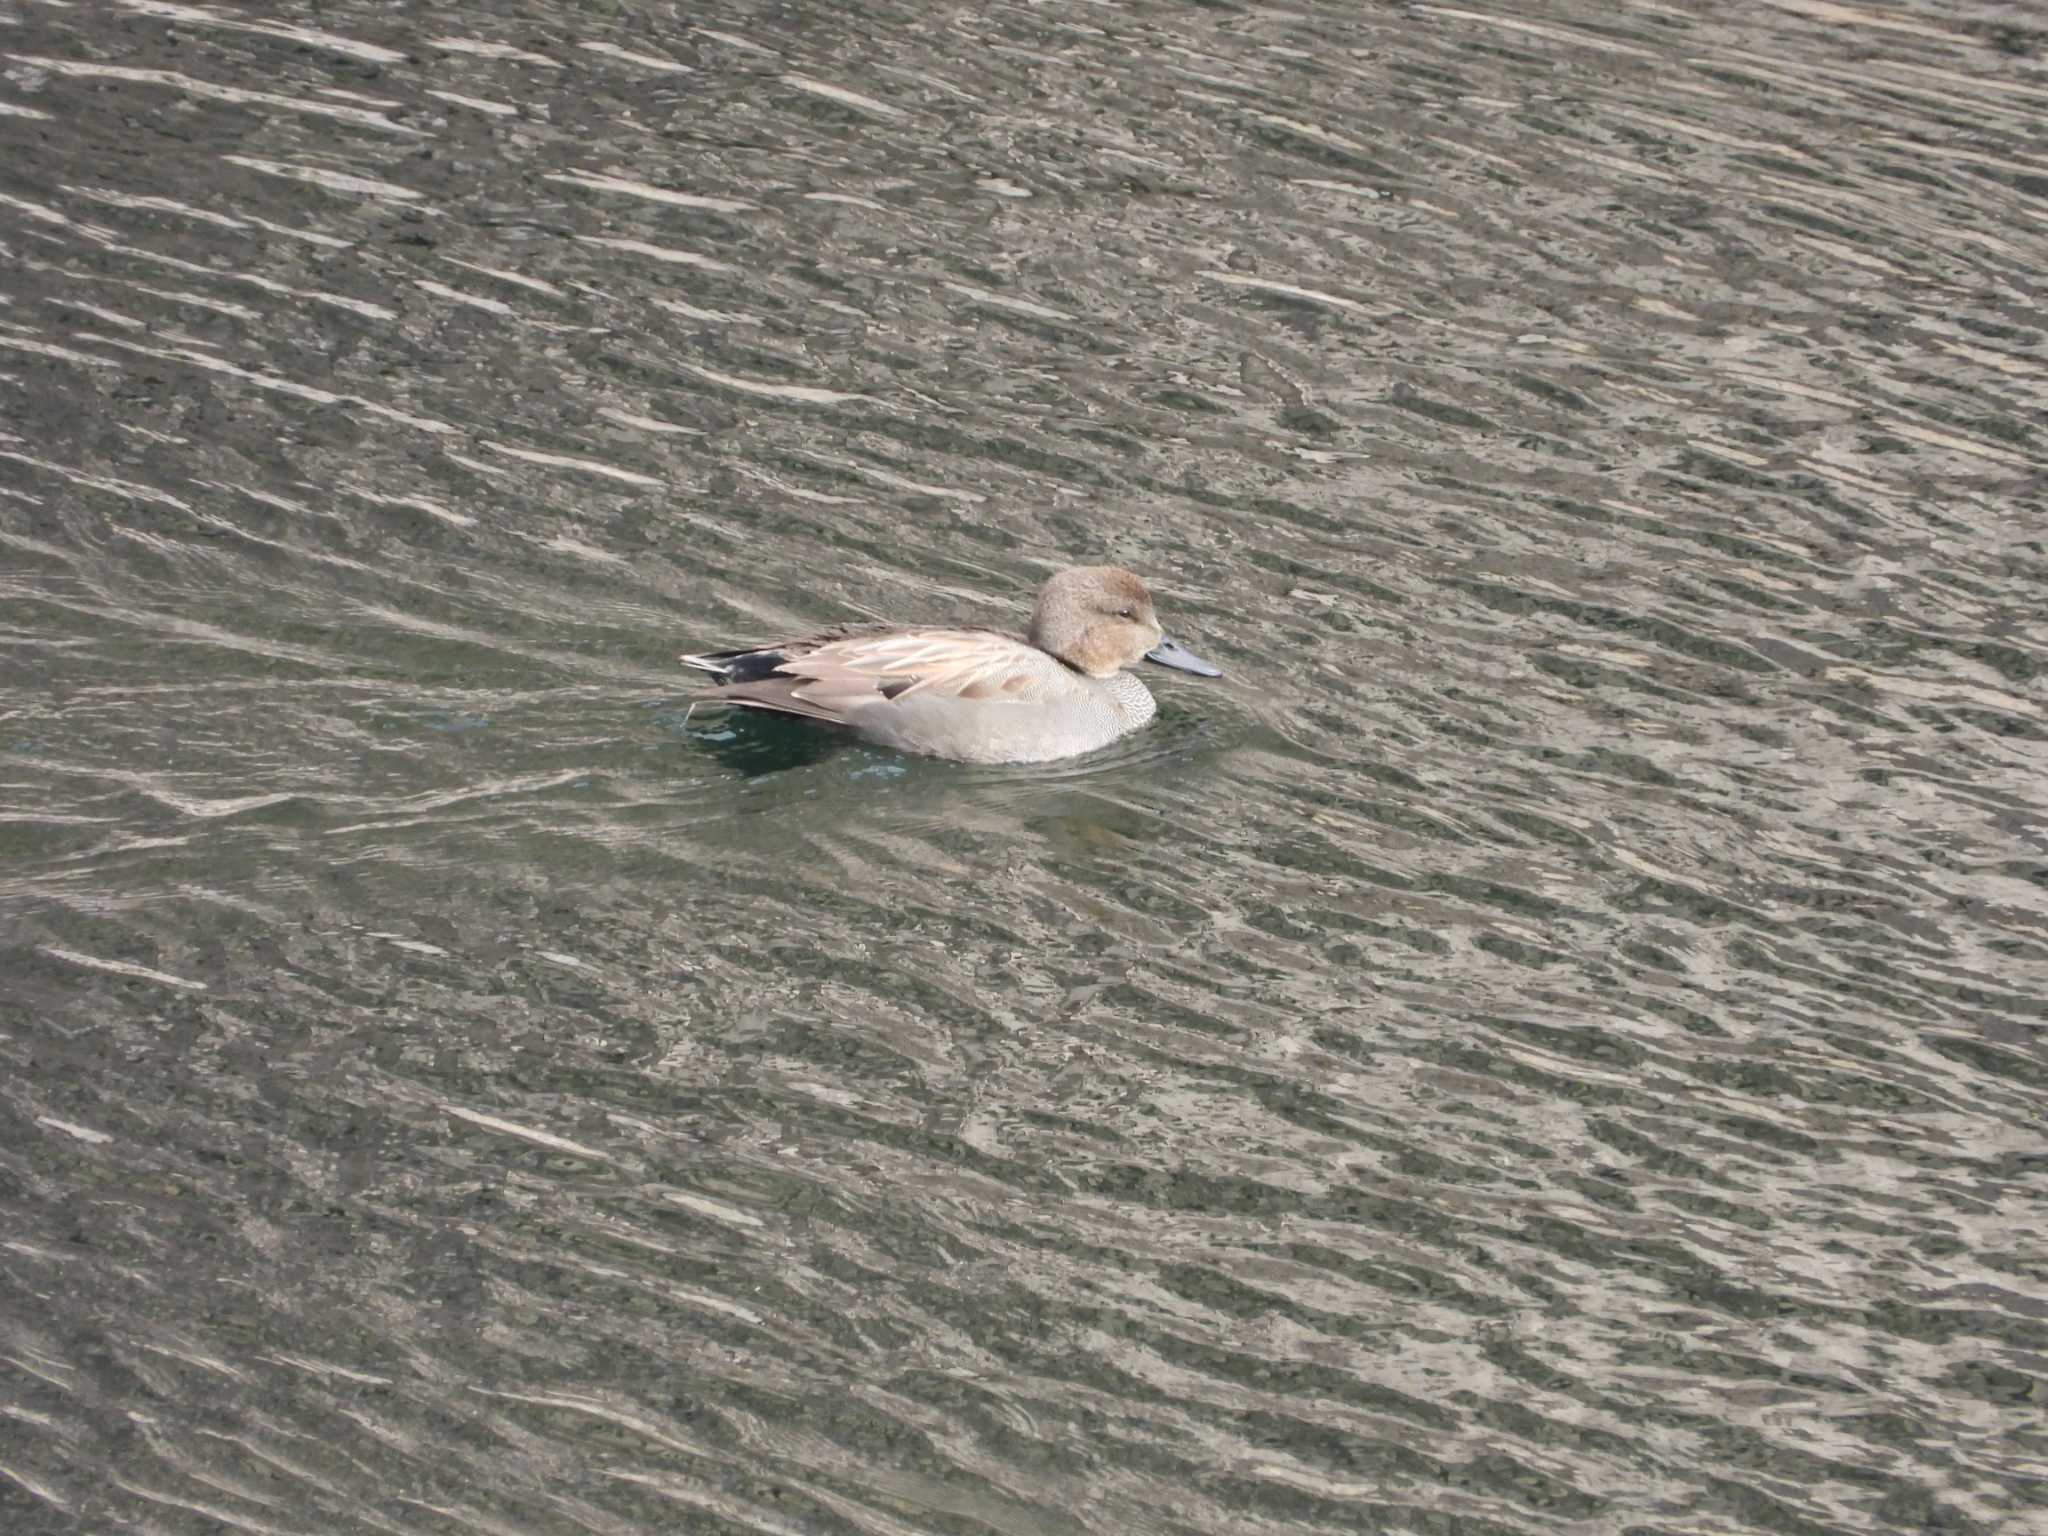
column 1550, row 1041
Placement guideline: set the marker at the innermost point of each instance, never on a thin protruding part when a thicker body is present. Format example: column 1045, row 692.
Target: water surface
column 1551, row 1041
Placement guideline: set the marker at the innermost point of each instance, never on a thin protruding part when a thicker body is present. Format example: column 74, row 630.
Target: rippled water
column 1552, row 1041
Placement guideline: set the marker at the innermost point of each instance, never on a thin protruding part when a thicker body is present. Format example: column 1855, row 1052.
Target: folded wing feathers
column 836, row 672
column 843, row 674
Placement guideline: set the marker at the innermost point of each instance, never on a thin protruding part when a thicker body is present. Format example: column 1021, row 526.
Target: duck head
column 1098, row 619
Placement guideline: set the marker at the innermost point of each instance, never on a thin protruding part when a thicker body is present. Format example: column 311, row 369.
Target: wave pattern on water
column 1552, row 1041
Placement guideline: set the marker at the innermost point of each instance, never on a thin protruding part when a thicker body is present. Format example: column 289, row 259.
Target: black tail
column 746, row 665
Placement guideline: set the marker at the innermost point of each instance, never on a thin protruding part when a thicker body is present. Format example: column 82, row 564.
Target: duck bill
column 1171, row 653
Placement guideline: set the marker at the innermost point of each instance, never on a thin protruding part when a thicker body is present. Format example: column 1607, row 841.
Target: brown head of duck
column 1098, row 619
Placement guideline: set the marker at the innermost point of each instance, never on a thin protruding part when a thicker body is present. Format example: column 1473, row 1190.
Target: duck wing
column 835, row 675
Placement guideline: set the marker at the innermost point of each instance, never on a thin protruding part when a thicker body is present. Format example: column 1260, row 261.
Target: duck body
column 973, row 695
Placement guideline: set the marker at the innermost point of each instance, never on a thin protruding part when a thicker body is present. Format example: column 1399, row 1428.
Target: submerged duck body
column 973, row 695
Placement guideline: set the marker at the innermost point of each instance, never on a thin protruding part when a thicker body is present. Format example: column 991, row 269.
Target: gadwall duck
column 974, row 695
